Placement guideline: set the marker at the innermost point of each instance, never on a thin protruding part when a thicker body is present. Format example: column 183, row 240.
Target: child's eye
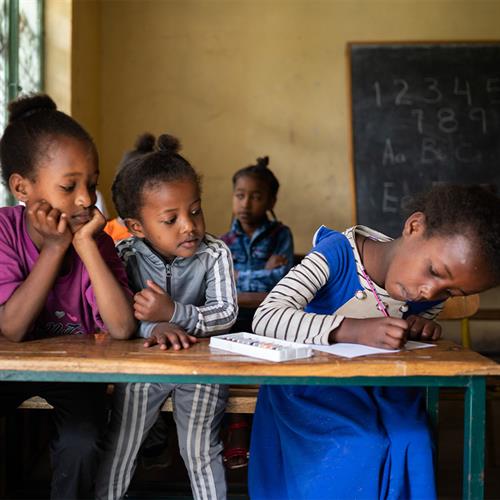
column 93, row 187
column 239, row 196
column 170, row 221
column 68, row 189
column 196, row 211
column 433, row 272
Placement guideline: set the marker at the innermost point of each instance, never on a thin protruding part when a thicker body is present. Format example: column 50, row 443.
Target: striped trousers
column 198, row 411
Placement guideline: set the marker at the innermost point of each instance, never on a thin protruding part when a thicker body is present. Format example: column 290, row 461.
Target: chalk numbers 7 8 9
column 399, row 93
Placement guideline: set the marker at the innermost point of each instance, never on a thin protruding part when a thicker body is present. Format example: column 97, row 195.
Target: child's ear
column 415, row 224
column 20, row 187
column 135, row 227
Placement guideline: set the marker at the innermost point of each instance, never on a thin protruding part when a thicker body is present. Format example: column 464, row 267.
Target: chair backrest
column 460, row 307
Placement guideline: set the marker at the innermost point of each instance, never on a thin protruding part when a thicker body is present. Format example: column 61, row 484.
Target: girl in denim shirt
column 262, row 250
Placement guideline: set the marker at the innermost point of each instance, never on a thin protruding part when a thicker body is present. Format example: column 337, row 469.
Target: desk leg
column 474, row 424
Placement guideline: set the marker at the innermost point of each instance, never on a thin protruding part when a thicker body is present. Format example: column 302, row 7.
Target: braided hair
column 151, row 162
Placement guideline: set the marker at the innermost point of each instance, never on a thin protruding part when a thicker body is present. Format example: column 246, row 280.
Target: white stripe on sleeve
column 282, row 315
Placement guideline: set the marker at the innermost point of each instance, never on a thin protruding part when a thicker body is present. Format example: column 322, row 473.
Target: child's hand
column 276, row 261
column 90, row 228
column 423, row 329
column 166, row 334
column 386, row 333
column 153, row 304
column 50, row 224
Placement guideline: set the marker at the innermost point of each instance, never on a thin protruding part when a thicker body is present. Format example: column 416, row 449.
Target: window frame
column 12, row 60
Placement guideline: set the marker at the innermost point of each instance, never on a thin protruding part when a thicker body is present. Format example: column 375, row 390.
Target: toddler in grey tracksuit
column 193, row 270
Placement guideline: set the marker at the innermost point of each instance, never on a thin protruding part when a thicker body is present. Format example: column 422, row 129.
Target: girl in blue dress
column 314, row 442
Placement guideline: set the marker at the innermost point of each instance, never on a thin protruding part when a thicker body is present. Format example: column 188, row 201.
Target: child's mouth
column 190, row 244
column 81, row 218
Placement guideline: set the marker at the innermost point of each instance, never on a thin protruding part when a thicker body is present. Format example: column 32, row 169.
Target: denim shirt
column 251, row 254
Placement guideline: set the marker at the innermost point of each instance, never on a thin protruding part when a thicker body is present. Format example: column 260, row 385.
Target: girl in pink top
column 59, row 273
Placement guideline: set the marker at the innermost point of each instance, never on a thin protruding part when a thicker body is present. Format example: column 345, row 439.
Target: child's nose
column 430, row 291
column 188, row 225
column 85, row 198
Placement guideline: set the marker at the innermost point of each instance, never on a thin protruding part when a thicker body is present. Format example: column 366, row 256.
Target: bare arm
column 21, row 310
column 19, row 313
column 114, row 306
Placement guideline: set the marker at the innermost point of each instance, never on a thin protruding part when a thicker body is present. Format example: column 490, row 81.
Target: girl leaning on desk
column 59, row 273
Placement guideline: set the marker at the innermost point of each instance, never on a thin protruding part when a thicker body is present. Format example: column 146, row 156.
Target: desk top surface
column 98, row 354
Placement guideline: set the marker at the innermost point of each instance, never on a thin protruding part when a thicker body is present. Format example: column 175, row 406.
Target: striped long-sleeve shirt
column 202, row 286
column 308, row 303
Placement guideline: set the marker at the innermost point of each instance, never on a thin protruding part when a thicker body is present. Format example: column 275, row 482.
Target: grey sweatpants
column 198, row 411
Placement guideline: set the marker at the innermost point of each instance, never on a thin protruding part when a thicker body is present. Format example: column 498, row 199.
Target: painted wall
column 58, row 51
column 239, row 79
column 86, row 66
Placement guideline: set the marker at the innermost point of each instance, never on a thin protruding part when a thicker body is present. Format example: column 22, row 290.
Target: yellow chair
column 461, row 308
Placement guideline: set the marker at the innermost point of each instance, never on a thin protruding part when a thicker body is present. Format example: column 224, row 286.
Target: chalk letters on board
column 421, row 114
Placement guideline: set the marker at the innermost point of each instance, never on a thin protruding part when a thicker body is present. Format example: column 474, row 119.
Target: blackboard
column 422, row 114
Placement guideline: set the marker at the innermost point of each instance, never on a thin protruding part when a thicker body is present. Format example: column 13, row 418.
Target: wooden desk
column 251, row 300
column 100, row 359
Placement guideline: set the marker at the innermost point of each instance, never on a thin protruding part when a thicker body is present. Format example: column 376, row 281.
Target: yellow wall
column 239, row 79
column 86, row 66
column 58, row 47
column 243, row 78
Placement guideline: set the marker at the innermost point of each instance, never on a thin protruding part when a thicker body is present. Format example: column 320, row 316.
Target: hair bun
column 168, row 144
column 145, row 143
column 30, row 104
column 263, row 162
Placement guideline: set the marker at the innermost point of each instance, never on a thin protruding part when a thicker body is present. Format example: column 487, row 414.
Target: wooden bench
column 242, row 399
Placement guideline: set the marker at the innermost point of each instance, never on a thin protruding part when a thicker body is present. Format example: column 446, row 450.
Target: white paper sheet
column 355, row 350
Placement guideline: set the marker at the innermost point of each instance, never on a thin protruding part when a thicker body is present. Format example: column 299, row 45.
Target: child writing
column 363, row 287
column 60, row 274
column 262, row 251
column 185, row 289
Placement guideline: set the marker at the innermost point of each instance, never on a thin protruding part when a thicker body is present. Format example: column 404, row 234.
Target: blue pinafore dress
column 333, row 442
